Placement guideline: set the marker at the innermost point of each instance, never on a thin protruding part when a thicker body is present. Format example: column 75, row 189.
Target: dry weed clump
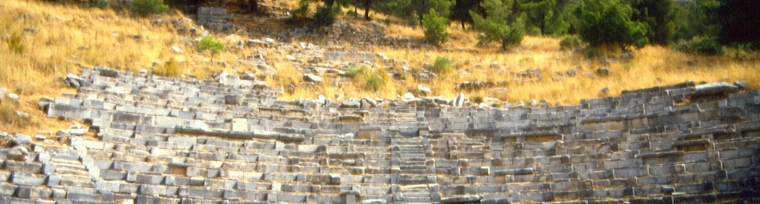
column 10, row 115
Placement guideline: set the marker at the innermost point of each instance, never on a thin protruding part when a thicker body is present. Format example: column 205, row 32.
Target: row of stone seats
column 599, row 150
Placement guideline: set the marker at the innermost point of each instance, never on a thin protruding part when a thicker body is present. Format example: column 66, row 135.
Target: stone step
column 77, row 181
column 414, row 171
column 65, row 159
column 416, row 198
column 70, row 169
column 413, row 157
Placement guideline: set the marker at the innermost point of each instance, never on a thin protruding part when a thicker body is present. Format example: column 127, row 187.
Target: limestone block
column 240, row 124
column 29, row 179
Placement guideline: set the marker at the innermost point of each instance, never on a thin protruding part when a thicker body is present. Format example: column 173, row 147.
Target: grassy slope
column 67, row 38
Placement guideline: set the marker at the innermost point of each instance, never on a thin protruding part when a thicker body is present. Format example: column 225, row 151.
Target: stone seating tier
column 163, row 140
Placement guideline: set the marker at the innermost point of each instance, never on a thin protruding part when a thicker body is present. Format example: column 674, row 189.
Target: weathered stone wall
column 214, row 18
column 163, row 140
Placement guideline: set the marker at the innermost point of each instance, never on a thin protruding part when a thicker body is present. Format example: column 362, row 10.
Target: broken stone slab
column 18, row 153
column 409, row 96
column 44, row 103
column 714, row 88
column 177, row 50
column 77, row 129
column 312, row 78
column 351, row 103
column 74, row 81
column 458, row 101
column 14, row 98
column 369, row 101
column 423, row 89
column 21, row 139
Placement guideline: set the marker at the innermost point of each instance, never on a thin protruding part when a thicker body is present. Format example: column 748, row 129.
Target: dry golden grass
column 652, row 66
column 58, row 39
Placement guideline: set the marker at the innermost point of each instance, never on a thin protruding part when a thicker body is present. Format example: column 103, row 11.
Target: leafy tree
column 536, row 11
column 435, row 27
column 324, row 16
column 609, row 23
column 657, row 16
column 557, row 21
column 498, row 24
column 697, row 18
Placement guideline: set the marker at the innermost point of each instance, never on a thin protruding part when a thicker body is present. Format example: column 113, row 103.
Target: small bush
column 209, row 43
column 355, row 71
column 324, row 16
column 477, row 99
column 9, row 115
column 170, row 69
column 374, row 82
column 703, row 45
column 145, row 7
column 570, row 42
column 14, row 43
column 435, row 27
column 442, row 65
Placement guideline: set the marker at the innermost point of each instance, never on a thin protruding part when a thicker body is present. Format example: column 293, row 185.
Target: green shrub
column 145, row 7
column 14, row 43
column 435, row 27
column 209, row 43
column 324, row 16
column 476, row 99
column 368, row 79
column 170, row 69
column 703, row 45
column 355, row 71
column 499, row 24
column 442, row 65
column 374, row 82
column 570, row 42
column 609, row 23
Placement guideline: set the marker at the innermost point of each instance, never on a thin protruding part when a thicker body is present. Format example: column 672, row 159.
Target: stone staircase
column 163, row 140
